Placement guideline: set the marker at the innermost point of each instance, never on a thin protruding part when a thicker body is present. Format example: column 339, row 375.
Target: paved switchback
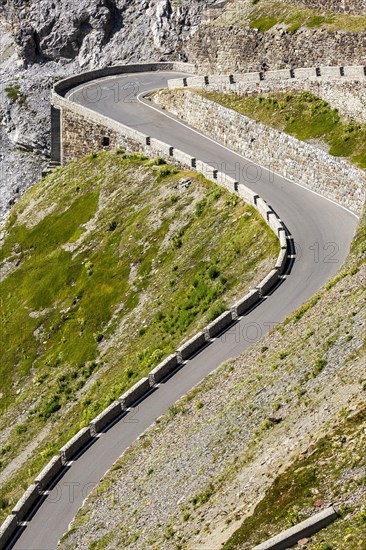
column 315, row 223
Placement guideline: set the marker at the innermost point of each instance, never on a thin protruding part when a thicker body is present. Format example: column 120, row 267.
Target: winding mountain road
column 321, row 229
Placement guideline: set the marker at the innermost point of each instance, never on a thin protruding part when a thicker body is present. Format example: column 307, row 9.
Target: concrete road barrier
column 268, row 282
column 208, row 171
column 281, row 261
column 224, row 180
column 354, row 72
column 283, row 239
column 49, row 472
column 282, row 74
column 305, row 72
column 196, row 81
column 247, row 194
column 161, row 147
column 241, row 306
column 306, row 528
column 263, row 208
column 190, row 347
column 163, row 369
column 183, row 158
column 274, row 223
column 246, row 77
column 26, row 502
column 219, row 324
column 71, row 82
column 105, row 417
column 176, row 83
column 75, row 444
column 134, row 393
column 7, row 530
column 219, row 80
column 330, row 72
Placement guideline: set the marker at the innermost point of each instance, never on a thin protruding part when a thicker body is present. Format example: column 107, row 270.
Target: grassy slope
column 304, row 116
column 195, row 475
column 265, row 14
column 107, row 265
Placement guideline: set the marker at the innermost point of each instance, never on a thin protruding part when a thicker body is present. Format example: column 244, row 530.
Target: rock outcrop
column 100, row 31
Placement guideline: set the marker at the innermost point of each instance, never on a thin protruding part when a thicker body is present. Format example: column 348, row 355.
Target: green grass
column 111, row 267
column 265, row 14
column 15, row 94
column 264, row 23
column 317, row 476
column 304, row 116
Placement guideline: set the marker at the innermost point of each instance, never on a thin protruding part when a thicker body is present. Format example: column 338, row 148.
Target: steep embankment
column 254, row 428
column 106, row 266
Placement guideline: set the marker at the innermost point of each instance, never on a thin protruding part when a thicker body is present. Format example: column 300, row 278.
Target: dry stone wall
column 348, row 96
column 357, row 7
column 238, row 49
column 296, row 160
column 81, row 136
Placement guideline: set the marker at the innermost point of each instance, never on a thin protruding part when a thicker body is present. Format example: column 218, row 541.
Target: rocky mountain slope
column 100, row 32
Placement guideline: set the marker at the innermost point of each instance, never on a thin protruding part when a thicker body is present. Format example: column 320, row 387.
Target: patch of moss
column 15, row 94
column 264, row 23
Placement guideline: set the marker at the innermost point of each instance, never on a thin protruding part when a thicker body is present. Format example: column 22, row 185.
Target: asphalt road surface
column 321, row 229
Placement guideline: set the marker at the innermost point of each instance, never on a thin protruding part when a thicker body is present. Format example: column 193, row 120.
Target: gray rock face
column 55, row 30
column 100, row 31
column 24, row 123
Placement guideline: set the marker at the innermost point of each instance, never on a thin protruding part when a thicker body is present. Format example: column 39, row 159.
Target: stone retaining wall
column 348, row 96
column 357, row 7
column 81, row 136
column 306, row 164
column 343, row 87
column 240, row 49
